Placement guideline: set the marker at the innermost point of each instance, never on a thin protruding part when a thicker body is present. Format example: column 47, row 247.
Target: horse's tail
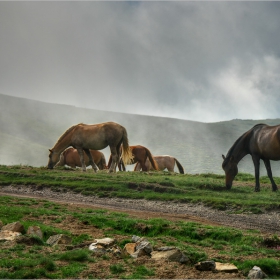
column 180, row 167
column 153, row 162
column 127, row 155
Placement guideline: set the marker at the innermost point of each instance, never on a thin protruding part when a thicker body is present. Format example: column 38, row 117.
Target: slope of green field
column 198, row 146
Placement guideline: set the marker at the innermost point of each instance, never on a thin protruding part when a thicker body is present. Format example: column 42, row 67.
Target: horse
column 71, row 158
column 95, row 137
column 262, row 142
column 140, row 154
column 163, row 162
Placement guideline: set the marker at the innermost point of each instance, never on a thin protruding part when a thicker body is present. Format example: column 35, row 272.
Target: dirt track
column 267, row 223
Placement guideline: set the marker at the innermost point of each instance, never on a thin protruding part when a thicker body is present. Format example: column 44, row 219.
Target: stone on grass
column 105, row 242
column 135, row 238
column 226, row 267
column 16, row 226
column 206, row 266
column 174, row 255
column 7, row 235
column 145, row 245
column 35, row 230
column 97, row 248
column 59, row 239
column 256, row 273
column 129, row 248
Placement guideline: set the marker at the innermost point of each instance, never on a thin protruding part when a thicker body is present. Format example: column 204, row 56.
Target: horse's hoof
column 257, row 190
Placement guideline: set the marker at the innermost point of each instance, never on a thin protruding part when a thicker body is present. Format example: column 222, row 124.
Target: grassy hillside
column 29, row 128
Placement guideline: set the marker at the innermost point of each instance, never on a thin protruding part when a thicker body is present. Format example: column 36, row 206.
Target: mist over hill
column 29, row 128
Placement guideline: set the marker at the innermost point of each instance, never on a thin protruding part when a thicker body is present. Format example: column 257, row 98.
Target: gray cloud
column 205, row 61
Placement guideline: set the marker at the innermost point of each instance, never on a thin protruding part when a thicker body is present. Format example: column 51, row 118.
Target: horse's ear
column 223, row 157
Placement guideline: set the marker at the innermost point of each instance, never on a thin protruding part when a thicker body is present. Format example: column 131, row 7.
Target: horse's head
column 53, row 159
column 230, row 167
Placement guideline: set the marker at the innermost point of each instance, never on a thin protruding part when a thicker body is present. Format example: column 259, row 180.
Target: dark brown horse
column 140, row 154
column 163, row 162
column 262, row 142
column 84, row 137
column 71, row 158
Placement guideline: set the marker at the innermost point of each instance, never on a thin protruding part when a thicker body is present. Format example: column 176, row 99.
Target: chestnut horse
column 140, row 154
column 262, row 142
column 71, row 158
column 84, row 137
column 163, row 162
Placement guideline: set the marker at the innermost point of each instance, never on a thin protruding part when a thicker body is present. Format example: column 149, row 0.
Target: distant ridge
column 28, row 128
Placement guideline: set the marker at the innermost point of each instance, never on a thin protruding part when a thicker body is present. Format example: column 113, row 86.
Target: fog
column 192, row 60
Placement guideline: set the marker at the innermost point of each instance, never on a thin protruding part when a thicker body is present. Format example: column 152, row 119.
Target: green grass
column 205, row 188
column 243, row 248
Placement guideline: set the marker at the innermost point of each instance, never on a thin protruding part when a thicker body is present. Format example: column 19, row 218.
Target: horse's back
column 165, row 161
column 265, row 140
column 97, row 136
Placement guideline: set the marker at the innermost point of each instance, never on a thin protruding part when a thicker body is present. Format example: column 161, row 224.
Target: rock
column 226, row 267
column 139, row 253
column 116, row 250
column 16, row 226
column 174, row 255
column 206, row 266
column 29, row 240
column 135, row 238
column 97, row 248
column 59, row 239
column 166, row 248
column 142, row 248
column 145, row 245
column 9, row 235
column 35, row 230
column 129, row 248
column 105, row 242
column 256, row 273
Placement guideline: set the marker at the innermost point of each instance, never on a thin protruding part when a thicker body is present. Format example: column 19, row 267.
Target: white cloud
column 205, row 61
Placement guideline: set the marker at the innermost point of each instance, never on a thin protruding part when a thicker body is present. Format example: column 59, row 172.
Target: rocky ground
column 268, row 223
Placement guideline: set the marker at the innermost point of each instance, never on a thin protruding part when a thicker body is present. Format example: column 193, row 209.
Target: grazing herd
column 80, row 144
column 262, row 142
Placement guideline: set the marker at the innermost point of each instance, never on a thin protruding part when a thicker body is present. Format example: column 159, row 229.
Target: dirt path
column 267, row 223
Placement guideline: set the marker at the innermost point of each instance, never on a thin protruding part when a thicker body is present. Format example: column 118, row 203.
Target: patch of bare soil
column 267, row 223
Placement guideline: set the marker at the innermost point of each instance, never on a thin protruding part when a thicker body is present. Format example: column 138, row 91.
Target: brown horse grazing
column 140, row 154
column 71, row 158
column 261, row 142
column 95, row 137
column 163, row 162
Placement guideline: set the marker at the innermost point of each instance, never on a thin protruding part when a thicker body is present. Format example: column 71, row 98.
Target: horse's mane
column 66, row 132
column 239, row 139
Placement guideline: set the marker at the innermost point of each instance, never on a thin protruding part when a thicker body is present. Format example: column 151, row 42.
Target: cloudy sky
column 204, row 61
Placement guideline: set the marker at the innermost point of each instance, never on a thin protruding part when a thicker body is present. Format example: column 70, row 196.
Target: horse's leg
column 115, row 159
column 256, row 161
column 91, row 162
column 269, row 174
column 121, row 165
column 81, row 154
column 143, row 165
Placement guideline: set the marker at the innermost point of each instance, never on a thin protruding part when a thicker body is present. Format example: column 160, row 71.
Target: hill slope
column 29, row 128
